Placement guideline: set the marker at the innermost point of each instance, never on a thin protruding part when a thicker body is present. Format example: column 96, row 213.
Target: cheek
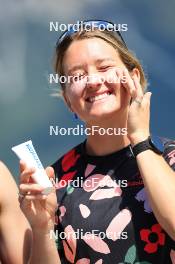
column 76, row 89
column 113, row 79
column 110, row 76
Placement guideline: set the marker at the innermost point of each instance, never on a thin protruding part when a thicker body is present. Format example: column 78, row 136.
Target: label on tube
column 27, row 153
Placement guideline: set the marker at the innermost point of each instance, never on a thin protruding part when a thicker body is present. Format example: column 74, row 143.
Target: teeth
column 98, row 97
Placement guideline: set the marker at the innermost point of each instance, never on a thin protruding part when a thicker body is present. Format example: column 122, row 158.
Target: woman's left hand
column 139, row 112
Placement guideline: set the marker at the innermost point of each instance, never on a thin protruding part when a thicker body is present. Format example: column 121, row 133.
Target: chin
column 102, row 116
column 104, row 109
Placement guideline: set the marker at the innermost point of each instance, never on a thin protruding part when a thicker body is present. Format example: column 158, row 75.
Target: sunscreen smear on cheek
column 27, row 153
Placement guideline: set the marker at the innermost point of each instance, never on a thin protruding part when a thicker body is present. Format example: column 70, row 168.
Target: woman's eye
column 106, row 67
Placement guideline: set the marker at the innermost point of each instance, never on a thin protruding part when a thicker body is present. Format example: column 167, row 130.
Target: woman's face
column 94, row 92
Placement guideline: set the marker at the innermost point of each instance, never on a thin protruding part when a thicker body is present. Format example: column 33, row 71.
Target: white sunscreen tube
column 27, row 153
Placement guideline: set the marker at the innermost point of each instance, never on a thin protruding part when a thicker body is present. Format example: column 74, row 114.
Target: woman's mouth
column 98, row 97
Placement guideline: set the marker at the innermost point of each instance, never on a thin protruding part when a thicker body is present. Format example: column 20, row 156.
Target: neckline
column 117, row 155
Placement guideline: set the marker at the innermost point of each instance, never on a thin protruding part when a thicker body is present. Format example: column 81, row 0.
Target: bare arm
column 159, row 180
column 15, row 231
column 158, row 177
column 40, row 211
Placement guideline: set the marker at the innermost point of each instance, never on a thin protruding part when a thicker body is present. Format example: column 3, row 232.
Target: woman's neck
column 105, row 144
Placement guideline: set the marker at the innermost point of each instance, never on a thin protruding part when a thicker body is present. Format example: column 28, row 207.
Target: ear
column 135, row 72
column 67, row 101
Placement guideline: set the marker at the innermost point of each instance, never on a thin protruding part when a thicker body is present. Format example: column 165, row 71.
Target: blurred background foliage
column 27, row 108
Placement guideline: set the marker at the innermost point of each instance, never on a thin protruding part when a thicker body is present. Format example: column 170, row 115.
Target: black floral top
column 104, row 215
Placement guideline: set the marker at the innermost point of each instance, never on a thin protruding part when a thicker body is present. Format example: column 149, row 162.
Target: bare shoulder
column 10, row 211
column 8, row 187
column 12, row 221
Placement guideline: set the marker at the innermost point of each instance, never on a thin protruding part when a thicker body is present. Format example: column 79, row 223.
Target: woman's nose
column 94, row 80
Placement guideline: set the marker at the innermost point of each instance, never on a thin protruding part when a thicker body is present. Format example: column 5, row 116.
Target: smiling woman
column 144, row 209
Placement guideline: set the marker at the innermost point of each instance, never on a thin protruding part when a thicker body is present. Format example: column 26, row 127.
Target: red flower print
column 69, row 160
column 153, row 237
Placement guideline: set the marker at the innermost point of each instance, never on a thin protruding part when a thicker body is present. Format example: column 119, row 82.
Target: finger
column 146, row 99
column 129, row 84
column 137, row 102
column 26, row 175
column 139, row 91
column 32, row 188
column 50, row 172
column 32, row 197
column 22, row 166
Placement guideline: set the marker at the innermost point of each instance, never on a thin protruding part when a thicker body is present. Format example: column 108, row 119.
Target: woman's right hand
column 39, row 209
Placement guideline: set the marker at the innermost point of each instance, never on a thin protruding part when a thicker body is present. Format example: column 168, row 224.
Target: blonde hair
column 127, row 57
